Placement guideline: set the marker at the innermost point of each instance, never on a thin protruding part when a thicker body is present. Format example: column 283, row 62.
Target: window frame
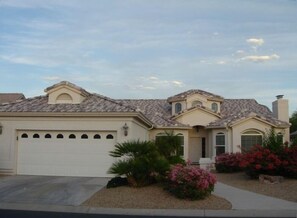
column 216, row 109
column 251, row 136
column 177, row 107
column 220, row 147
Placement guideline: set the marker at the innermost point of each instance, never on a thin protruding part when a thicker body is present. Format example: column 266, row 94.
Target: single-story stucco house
column 70, row 131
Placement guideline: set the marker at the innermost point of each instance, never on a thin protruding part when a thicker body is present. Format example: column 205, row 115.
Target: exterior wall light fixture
column 125, row 128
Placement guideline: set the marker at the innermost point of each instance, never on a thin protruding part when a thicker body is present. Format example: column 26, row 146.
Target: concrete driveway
column 51, row 190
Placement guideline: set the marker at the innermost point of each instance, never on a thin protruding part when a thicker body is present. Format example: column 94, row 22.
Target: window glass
column 249, row 139
column 109, row 136
column 180, row 152
column 47, row 136
column 36, row 136
column 97, row 136
column 60, row 136
column 280, row 137
column 84, row 136
column 220, row 139
column 220, row 150
column 178, row 107
column 24, row 135
column 214, row 107
column 72, row 136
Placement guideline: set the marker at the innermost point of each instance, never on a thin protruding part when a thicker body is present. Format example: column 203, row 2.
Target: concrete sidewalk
column 244, row 204
column 245, row 200
column 151, row 212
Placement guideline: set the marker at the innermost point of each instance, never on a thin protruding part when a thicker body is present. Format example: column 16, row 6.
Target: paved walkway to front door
column 51, row 190
column 245, row 200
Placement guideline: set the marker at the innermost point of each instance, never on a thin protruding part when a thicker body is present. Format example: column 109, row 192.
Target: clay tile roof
column 234, row 110
column 11, row 97
column 184, row 95
column 156, row 110
column 92, row 103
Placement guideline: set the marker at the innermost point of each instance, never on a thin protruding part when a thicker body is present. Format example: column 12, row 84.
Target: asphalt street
column 43, row 214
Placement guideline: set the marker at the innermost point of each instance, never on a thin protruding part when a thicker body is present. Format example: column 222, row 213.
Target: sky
column 151, row 48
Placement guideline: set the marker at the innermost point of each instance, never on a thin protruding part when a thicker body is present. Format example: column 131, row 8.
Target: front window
column 178, row 107
column 250, row 139
column 214, row 107
column 220, row 143
column 280, row 138
column 180, row 151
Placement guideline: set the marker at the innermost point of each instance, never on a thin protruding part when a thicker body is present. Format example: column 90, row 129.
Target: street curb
column 150, row 212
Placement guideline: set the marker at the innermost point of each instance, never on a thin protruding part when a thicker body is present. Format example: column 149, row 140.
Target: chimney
column 280, row 108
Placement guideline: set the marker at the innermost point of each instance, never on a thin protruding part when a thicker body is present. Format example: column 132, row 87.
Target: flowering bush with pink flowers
column 186, row 181
column 228, row 162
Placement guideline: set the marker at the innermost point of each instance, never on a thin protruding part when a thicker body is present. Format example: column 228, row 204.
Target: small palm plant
column 139, row 161
column 170, row 146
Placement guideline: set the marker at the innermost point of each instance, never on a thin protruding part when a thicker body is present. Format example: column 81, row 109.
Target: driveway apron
column 51, row 190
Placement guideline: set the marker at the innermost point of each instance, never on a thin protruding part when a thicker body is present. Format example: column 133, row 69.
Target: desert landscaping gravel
column 286, row 190
column 151, row 197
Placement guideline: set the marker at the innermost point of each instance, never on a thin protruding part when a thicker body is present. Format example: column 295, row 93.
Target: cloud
column 28, row 60
column 221, row 62
column 177, row 83
column 255, row 41
column 260, row 58
column 155, row 83
column 52, row 78
column 145, row 87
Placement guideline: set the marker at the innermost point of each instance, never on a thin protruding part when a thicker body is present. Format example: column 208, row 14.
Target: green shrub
column 140, row 162
column 169, row 145
column 272, row 141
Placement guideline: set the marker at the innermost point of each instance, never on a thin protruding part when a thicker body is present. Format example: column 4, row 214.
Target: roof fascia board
column 137, row 115
column 174, row 127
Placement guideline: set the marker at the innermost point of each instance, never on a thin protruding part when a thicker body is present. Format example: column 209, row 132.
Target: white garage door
column 65, row 153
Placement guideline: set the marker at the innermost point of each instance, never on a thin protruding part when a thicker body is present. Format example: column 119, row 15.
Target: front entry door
column 195, row 151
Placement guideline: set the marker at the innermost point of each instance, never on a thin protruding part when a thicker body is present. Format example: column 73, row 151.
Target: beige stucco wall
column 197, row 117
column 233, row 134
column 251, row 124
column 196, row 97
column 8, row 142
column 75, row 95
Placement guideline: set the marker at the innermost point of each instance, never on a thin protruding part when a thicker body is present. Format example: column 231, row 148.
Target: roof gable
column 234, row 111
column 184, row 95
column 197, row 116
column 66, row 93
column 11, row 97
